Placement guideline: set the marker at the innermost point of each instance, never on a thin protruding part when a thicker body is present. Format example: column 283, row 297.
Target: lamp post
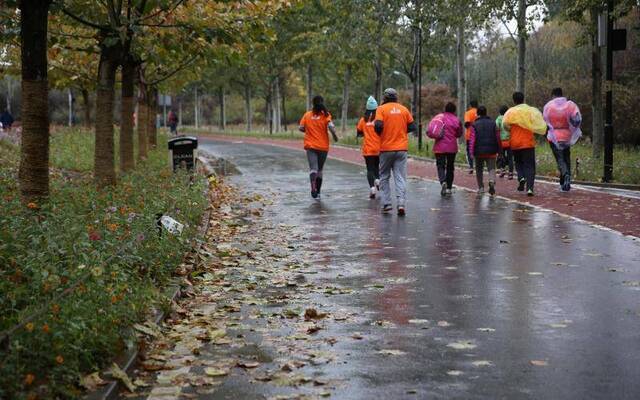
column 608, row 124
column 406, row 78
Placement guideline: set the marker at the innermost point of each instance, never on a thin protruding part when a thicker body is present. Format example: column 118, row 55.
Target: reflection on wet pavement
column 465, row 297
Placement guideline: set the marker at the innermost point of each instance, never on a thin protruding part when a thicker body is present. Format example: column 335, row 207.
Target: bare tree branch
column 511, row 34
column 83, row 21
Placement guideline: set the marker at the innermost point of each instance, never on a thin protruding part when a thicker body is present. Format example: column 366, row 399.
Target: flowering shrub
column 78, row 271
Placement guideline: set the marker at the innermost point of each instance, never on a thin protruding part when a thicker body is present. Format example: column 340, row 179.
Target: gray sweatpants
column 316, row 159
column 396, row 162
column 491, row 167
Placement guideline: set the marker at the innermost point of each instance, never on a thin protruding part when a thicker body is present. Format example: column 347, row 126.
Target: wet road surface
column 466, row 297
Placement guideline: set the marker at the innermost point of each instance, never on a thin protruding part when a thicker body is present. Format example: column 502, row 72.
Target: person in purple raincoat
column 445, row 128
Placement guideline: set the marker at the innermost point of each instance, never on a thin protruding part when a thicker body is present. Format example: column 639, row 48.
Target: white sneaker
column 377, row 184
column 372, row 192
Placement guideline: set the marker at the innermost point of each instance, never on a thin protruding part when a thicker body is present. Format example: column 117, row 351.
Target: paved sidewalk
column 618, row 213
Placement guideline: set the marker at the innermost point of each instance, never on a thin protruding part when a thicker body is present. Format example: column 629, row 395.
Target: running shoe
column 492, row 188
column 471, row 171
column 530, row 192
column 314, row 194
column 372, row 193
column 377, row 184
column 521, row 184
column 387, row 208
column 510, row 176
column 401, row 212
column 449, row 191
column 480, row 191
column 502, row 174
column 443, row 190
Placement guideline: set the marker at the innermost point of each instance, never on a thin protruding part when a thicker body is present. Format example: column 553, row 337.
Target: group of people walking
column 499, row 144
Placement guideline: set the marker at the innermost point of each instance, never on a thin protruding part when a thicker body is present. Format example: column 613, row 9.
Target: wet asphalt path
column 484, row 298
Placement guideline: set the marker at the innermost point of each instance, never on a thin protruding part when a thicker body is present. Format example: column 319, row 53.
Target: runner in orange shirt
column 315, row 124
column 370, row 146
column 393, row 123
column 469, row 118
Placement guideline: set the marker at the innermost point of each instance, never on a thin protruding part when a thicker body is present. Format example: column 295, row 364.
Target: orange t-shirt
column 371, row 142
column 395, row 118
column 316, row 136
column 470, row 116
column 521, row 138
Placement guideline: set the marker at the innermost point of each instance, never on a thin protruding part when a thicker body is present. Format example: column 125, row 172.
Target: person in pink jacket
column 445, row 128
column 563, row 119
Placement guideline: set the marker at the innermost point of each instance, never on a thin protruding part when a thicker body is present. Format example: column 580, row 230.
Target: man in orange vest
column 393, row 123
column 469, row 118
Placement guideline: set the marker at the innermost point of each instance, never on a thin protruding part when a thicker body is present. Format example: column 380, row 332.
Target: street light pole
column 608, row 125
column 419, row 111
column 419, row 88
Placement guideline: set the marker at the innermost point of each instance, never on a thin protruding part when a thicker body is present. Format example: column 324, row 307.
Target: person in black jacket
column 6, row 120
column 485, row 145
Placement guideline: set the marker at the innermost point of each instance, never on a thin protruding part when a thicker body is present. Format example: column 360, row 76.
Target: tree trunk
column 86, row 108
column 104, row 164
column 127, row 162
column 152, row 131
column 143, row 111
column 414, row 96
column 179, row 112
column 71, row 101
column 345, row 99
column 377, row 91
column 597, row 132
column 164, row 110
column 223, row 111
column 309, row 85
column 247, row 107
column 283, row 107
column 9, row 93
column 461, row 83
column 196, row 110
column 268, row 111
column 276, row 105
column 34, row 151
column 522, row 45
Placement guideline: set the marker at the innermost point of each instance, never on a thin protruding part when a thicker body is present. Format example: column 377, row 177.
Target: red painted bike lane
column 615, row 212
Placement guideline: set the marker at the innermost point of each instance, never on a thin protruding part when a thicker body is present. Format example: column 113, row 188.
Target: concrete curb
column 129, row 359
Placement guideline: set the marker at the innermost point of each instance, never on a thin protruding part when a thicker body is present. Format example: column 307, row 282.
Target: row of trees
column 87, row 43
column 274, row 51
column 348, row 48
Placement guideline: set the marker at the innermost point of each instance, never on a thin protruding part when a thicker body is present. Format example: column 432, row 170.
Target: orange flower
column 114, row 299
column 55, row 309
column 29, row 378
column 45, row 328
column 59, row 359
column 32, row 205
column 112, row 227
column 29, row 327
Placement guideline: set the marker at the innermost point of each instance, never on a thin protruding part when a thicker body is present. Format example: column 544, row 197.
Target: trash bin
column 183, row 152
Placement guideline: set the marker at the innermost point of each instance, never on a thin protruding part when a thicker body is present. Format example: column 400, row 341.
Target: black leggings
column 446, row 165
column 373, row 169
column 316, row 159
column 506, row 159
column 526, row 165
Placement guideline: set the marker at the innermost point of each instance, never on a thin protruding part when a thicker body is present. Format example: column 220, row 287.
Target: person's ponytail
column 319, row 107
